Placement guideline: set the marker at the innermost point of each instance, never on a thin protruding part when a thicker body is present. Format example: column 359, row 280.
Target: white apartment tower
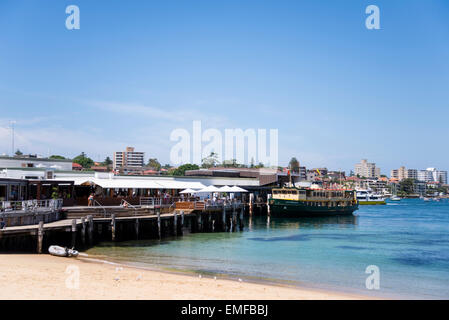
column 367, row 169
column 128, row 159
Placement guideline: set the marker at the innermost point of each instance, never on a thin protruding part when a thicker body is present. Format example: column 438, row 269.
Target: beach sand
column 48, row 277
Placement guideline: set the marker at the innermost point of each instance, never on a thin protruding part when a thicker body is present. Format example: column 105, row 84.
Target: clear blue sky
column 136, row 70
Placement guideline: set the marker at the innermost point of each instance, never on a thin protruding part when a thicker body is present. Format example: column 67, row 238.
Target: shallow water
column 408, row 241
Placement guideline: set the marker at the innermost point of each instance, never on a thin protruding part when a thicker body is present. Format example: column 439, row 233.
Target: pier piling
column 136, row 228
column 83, row 231
column 90, row 229
column 73, row 233
column 113, row 226
column 159, row 223
column 175, row 224
column 40, row 236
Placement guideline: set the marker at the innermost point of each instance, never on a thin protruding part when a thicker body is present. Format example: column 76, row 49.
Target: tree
column 83, row 160
column 56, row 157
column 107, row 162
column 407, row 186
column 294, row 165
column 210, row 161
column 18, row 153
column 260, row 165
column 181, row 170
column 153, row 163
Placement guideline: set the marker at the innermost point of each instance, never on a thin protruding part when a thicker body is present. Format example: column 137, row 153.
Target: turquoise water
column 408, row 241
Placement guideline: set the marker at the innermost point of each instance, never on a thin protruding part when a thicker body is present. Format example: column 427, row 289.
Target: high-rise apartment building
column 366, row 169
column 403, row 173
column 128, row 160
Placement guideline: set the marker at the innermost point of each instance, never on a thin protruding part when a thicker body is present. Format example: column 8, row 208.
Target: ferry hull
column 288, row 208
column 364, row 203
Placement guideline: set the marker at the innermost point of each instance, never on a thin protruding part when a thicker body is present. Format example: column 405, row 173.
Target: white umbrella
column 226, row 189
column 238, row 189
column 188, row 191
column 209, row 189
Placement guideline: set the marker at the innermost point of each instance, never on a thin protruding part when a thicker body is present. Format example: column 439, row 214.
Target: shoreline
column 41, row 277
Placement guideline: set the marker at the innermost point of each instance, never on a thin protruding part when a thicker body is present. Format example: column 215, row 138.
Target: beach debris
column 199, row 276
column 62, row 251
column 117, row 269
column 139, row 277
column 215, row 278
column 240, row 280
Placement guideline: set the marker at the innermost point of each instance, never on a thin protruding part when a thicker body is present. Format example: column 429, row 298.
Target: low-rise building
column 33, row 161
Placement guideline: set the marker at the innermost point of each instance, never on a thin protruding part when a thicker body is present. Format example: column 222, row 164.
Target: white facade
column 425, row 175
column 128, row 159
column 366, row 169
column 31, row 162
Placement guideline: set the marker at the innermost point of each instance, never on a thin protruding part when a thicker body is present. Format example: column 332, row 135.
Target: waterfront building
column 366, row 169
column 404, row 173
column 33, row 161
column 425, row 175
column 128, row 161
column 438, row 175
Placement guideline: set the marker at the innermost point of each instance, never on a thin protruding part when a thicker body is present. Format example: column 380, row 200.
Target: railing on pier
column 96, row 203
column 126, row 204
column 206, row 205
column 161, row 201
column 30, row 206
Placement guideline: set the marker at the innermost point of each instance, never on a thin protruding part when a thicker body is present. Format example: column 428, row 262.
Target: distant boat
column 395, row 198
column 427, row 199
column 367, row 197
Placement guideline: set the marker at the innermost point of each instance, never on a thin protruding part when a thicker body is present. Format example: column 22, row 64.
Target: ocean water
column 408, row 241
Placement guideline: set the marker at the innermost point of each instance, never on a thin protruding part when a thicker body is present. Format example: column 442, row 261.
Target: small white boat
column 427, row 199
column 62, row 252
column 395, row 198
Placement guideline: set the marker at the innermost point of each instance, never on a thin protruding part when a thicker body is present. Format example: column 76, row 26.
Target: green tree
column 210, row 161
column 294, row 165
column 83, row 160
column 153, row 163
column 56, row 157
column 107, row 162
column 407, row 186
column 181, row 170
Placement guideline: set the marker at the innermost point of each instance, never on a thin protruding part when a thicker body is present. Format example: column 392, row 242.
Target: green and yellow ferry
column 297, row 202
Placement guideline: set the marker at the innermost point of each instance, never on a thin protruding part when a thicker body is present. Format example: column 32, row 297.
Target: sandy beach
column 48, row 277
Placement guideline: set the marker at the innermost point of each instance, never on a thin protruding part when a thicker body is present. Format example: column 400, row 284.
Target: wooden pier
column 83, row 227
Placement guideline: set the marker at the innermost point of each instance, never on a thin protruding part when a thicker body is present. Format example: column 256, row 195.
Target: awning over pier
column 138, row 183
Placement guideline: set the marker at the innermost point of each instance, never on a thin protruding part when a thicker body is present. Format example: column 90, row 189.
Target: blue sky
column 336, row 91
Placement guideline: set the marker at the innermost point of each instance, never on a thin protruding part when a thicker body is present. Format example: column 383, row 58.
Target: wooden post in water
column 251, row 199
column 136, row 226
column 234, row 218
column 90, row 229
column 200, row 226
column 40, row 236
column 268, row 205
column 182, row 222
column 241, row 219
column 159, row 223
column 182, row 218
column 175, row 223
column 83, row 231
column 224, row 217
column 113, row 226
column 73, row 233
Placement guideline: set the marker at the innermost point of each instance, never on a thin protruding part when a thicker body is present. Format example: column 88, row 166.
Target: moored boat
column 297, row 202
column 367, row 197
